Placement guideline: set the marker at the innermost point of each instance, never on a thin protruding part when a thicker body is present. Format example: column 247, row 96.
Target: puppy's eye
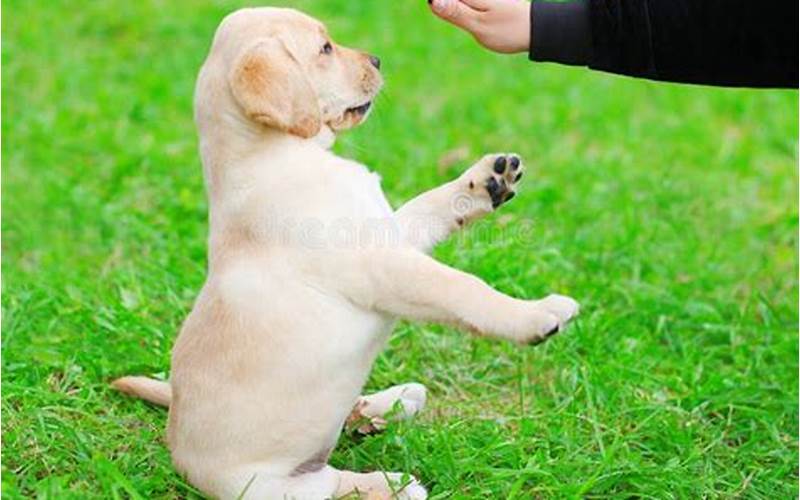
column 327, row 48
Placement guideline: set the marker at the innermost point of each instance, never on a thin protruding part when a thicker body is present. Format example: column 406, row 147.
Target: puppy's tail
column 149, row 389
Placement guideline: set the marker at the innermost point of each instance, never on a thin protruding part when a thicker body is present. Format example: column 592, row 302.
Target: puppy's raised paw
column 507, row 171
column 495, row 176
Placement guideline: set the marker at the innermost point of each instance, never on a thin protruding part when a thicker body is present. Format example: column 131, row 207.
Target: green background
column 669, row 212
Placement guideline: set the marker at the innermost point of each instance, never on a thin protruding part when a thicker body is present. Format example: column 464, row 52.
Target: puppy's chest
column 354, row 193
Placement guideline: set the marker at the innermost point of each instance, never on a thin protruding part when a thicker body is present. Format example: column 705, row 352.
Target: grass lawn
column 670, row 212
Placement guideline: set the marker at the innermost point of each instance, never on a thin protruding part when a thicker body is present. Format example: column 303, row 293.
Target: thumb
column 455, row 12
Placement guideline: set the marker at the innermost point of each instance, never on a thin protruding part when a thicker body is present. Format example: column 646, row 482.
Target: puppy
column 308, row 268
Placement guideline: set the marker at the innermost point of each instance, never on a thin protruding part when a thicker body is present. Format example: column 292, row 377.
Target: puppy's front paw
column 548, row 316
column 540, row 325
column 493, row 180
column 563, row 307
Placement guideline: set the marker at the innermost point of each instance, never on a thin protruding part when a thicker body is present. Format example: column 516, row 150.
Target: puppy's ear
column 271, row 88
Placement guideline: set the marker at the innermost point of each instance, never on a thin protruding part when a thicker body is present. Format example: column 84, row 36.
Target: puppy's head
column 284, row 72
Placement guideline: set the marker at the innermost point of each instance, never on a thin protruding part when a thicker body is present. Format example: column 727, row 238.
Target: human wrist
column 522, row 29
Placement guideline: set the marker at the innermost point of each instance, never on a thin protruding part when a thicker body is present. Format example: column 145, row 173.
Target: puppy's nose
column 375, row 61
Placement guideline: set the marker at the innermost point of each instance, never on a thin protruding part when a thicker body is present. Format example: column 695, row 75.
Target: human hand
column 500, row 25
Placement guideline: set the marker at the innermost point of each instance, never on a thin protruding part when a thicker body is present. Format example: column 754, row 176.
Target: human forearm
column 714, row 42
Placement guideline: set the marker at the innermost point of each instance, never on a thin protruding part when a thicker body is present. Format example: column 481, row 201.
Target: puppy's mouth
column 359, row 111
column 351, row 117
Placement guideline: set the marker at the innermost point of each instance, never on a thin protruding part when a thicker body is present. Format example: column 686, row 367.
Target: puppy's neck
column 326, row 137
column 223, row 148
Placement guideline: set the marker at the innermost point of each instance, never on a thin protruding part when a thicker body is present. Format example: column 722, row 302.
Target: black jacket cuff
column 561, row 32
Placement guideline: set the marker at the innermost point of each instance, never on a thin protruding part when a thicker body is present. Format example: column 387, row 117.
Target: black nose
column 375, row 61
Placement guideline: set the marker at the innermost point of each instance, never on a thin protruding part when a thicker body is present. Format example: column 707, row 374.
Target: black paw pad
column 497, row 191
column 514, row 162
column 500, row 165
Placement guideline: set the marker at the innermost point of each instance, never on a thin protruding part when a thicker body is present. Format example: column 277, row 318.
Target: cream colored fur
column 308, row 269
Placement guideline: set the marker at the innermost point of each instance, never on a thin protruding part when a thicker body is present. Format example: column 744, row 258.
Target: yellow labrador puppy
column 308, row 268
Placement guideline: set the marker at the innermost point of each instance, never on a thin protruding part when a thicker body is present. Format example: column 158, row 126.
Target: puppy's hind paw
column 406, row 487
column 373, row 412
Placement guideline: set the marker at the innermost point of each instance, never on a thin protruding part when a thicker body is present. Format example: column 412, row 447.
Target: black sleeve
column 716, row 42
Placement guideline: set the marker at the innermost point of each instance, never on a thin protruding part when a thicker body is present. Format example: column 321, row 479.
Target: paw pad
column 506, row 172
column 489, row 183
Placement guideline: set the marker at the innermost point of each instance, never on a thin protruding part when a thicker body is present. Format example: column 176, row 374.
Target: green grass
column 669, row 211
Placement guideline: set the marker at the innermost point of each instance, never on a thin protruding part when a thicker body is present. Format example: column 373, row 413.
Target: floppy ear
column 271, row 88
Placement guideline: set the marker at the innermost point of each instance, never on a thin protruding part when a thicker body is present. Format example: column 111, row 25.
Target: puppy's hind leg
column 399, row 402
